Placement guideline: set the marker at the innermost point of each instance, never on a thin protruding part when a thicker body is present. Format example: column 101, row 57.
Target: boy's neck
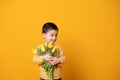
column 46, row 42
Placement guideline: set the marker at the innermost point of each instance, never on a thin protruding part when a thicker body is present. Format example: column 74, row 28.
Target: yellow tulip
column 50, row 45
column 42, row 47
column 45, row 45
column 53, row 50
column 34, row 51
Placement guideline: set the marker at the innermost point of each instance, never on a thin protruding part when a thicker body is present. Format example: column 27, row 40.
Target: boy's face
column 50, row 36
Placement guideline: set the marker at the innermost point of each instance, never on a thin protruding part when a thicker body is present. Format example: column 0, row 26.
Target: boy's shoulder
column 59, row 48
column 38, row 47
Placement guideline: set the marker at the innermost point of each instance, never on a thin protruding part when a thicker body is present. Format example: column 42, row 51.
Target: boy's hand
column 54, row 61
column 48, row 57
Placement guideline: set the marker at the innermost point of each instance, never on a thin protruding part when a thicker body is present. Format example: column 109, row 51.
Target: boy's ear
column 44, row 35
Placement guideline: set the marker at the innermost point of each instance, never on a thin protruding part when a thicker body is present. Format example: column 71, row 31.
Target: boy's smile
column 50, row 36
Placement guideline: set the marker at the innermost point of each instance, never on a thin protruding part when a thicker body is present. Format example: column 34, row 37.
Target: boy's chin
column 52, row 42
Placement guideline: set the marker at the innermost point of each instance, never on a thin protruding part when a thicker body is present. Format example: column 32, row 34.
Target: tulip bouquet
column 47, row 49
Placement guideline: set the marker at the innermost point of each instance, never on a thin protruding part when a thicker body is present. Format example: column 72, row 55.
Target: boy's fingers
column 52, row 62
column 51, row 59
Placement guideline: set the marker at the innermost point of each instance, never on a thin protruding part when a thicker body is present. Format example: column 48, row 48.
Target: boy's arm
column 38, row 59
column 60, row 60
column 62, row 57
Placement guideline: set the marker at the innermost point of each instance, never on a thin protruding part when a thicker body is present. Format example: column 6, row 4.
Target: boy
column 50, row 31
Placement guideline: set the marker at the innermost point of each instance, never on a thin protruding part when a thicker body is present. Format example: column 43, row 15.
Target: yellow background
column 89, row 35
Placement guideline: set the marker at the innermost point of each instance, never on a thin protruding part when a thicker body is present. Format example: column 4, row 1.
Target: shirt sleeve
column 61, row 56
column 37, row 59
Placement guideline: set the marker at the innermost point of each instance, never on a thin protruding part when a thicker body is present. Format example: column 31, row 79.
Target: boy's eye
column 53, row 35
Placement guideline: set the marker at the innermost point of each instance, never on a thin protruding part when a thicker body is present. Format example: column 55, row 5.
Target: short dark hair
column 49, row 26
